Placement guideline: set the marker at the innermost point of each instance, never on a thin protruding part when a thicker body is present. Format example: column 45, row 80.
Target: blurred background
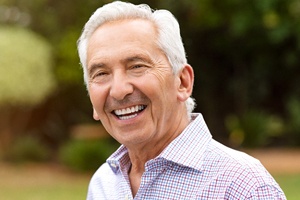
column 245, row 55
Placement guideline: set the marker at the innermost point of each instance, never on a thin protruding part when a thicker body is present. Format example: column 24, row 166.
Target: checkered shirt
column 193, row 166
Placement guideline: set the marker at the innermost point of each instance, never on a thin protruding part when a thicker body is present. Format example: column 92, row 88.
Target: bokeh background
column 245, row 55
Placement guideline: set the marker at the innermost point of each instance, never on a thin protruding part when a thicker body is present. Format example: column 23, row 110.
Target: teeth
column 127, row 117
column 126, row 111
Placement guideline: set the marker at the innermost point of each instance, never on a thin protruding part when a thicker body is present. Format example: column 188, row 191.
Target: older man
column 140, row 86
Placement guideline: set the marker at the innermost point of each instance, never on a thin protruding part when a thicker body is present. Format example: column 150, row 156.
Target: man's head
column 136, row 73
column 168, row 40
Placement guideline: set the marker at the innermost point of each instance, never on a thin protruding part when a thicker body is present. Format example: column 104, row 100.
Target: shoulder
column 243, row 175
column 100, row 180
column 103, row 173
column 104, row 183
column 231, row 158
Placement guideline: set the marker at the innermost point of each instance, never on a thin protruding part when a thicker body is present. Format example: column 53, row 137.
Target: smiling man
column 140, row 86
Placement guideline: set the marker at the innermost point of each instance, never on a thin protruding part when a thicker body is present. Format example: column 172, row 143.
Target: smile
column 130, row 112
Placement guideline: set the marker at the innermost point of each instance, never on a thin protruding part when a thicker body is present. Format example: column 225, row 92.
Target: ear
column 95, row 115
column 185, row 87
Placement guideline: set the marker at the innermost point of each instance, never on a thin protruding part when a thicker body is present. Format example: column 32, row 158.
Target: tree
column 26, row 78
column 244, row 53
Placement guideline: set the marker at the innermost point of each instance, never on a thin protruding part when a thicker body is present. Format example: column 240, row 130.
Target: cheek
column 160, row 87
column 161, row 76
column 97, row 97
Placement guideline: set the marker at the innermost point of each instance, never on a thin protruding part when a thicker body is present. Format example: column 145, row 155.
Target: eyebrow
column 94, row 67
column 135, row 58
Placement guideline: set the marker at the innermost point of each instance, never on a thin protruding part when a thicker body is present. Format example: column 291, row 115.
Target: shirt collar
column 187, row 149
column 119, row 159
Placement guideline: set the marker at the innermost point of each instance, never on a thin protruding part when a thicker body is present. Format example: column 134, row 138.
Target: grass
column 36, row 182
column 290, row 184
column 58, row 191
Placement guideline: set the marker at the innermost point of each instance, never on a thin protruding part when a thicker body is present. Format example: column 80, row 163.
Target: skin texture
column 127, row 69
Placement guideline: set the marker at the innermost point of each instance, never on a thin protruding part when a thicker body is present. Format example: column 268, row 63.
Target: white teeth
column 126, row 111
column 127, row 117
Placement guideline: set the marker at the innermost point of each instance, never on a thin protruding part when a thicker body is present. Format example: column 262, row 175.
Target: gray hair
column 169, row 39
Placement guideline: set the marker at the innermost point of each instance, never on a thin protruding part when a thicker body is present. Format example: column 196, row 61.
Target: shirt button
column 113, row 165
column 126, row 197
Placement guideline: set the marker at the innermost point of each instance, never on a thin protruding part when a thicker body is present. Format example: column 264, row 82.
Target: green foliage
column 253, row 129
column 244, row 54
column 294, row 114
column 293, row 123
column 27, row 149
column 25, row 73
column 66, row 70
column 87, row 155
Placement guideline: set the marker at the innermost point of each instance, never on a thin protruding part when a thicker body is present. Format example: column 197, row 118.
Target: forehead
column 124, row 30
column 123, row 36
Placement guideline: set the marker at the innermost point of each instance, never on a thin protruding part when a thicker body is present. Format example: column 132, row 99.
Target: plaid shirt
column 193, row 166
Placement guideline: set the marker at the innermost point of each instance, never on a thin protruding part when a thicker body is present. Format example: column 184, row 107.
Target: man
column 140, row 85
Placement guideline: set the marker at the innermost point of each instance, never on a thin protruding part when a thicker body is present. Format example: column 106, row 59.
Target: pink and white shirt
column 193, row 166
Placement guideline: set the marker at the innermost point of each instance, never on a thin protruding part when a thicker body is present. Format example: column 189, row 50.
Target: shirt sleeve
column 267, row 192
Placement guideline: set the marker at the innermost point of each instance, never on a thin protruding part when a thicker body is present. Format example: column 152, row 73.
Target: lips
column 130, row 112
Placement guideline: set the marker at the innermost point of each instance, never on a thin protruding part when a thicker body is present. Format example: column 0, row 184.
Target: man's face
column 131, row 84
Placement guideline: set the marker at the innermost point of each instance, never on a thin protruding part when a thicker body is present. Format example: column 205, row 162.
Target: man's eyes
column 100, row 74
column 96, row 75
column 137, row 66
column 136, row 69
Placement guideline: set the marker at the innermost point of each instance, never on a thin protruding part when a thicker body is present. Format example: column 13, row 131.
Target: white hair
column 169, row 39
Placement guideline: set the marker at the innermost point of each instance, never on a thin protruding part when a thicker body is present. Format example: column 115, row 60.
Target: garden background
column 245, row 55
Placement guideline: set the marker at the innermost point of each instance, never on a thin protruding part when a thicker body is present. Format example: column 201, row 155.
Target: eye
column 137, row 66
column 100, row 74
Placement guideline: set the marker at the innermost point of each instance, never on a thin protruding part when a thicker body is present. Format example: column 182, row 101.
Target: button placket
column 126, row 197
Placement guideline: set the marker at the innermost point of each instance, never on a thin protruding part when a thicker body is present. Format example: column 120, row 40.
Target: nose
column 120, row 86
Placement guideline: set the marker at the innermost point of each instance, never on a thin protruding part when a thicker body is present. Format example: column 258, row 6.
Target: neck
column 139, row 157
column 140, row 154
